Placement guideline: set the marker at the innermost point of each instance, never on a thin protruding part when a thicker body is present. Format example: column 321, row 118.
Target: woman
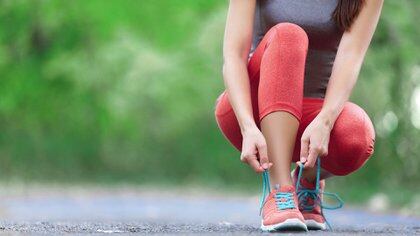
column 289, row 69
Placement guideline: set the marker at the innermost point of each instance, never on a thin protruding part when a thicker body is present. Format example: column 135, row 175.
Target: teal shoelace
column 315, row 194
column 284, row 200
column 265, row 188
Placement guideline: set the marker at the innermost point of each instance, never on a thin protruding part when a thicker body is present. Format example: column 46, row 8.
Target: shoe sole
column 313, row 225
column 293, row 224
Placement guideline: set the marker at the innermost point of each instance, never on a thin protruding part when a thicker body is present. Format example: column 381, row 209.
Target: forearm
column 237, row 84
column 349, row 59
column 343, row 78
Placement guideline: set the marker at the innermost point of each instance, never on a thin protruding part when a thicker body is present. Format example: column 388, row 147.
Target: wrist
column 327, row 118
column 247, row 126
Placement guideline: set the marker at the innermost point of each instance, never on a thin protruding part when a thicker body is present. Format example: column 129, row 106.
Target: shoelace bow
column 302, row 194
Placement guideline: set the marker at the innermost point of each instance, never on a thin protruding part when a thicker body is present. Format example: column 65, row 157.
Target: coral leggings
column 276, row 72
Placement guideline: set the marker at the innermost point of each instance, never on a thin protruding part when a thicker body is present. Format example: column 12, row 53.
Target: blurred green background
column 124, row 90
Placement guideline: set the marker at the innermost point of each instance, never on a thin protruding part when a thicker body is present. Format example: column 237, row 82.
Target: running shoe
column 279, row 210
column 310, row 198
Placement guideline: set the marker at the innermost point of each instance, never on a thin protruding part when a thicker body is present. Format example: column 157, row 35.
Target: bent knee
column 353, row 137
column 291, row 33
column 350, row 157
column 353, row 128
column 360, row 148
column 294, row 30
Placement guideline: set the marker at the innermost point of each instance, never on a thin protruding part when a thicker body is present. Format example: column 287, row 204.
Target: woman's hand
column 314, row 141
column 254, row 150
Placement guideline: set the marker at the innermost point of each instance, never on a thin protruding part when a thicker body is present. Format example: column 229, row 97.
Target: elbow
column 355, row 52
column 227, row 64
column 224, row 71
column 232, row 61
column 225, row 68
column 354, row 59
column 358, row 59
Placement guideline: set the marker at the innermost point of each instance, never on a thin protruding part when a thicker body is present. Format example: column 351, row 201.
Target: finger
column 246, row 154
column 262, row 152
column 255, row 164
column 324, row 152
column 313, row 154
column 304, row 148
column 243, row 157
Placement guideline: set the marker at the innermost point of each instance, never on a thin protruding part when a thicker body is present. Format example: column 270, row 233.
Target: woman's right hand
column 254, row 150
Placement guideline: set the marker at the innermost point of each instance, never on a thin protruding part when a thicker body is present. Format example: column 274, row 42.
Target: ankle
column 282, row 182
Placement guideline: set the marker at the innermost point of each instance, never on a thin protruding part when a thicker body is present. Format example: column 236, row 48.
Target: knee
column 355, row 138
column 290, row 33
column 358, row 147
column 354, row 154
column 354, row 130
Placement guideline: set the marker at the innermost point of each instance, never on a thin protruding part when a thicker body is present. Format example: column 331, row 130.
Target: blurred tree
column 124, row 90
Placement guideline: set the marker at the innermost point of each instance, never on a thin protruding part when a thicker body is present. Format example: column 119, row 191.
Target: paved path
column 143, row 211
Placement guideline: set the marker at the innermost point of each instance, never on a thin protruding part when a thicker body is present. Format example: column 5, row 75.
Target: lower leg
column 280, row 94
column 280, row 129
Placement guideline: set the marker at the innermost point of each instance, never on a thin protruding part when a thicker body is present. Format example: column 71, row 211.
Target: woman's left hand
column 314, row 141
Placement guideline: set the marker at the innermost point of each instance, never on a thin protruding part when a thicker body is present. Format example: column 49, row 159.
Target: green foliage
column 124, row 90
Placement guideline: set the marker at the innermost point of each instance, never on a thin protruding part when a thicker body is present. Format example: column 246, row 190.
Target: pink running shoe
column 310, row 207
column 279, row 208
column 310, row 197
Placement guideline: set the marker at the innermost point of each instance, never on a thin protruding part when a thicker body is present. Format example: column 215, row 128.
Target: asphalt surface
column 127, row 210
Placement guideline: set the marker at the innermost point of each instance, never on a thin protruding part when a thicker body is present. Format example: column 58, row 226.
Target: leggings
column 276, row 73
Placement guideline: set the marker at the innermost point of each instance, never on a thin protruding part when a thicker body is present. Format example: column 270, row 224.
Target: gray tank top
column 315, row 17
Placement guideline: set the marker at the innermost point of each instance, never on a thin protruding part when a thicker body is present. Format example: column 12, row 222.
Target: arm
column 237, row 42
column 349, row 60
column 236, row 46
column 350, row 55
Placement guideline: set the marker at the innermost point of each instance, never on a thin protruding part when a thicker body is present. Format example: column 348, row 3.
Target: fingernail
column 265, row 165
column 303, row 159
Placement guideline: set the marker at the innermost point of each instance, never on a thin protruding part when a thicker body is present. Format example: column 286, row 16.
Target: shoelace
column 315, row 194
column 284, row 200
column 266, row 188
